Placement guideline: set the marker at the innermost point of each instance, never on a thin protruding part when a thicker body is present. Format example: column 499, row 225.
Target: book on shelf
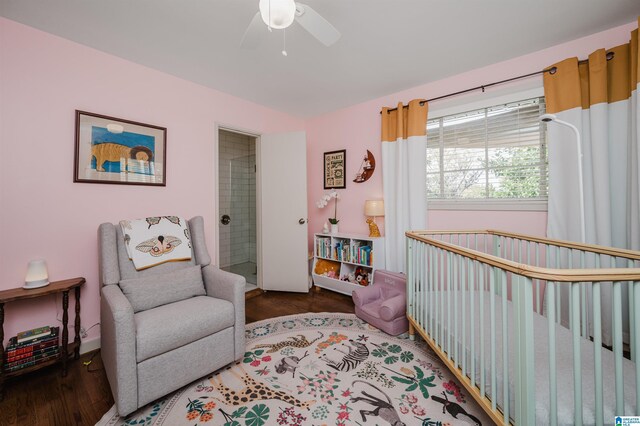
column 35, row 333
column 362, row 254
column 51, row 346
column 323, row 247
column 365, row 255
column 27, row 358
column 13, row 347
column 18, row 365
column 355, row 249
column 341, row 251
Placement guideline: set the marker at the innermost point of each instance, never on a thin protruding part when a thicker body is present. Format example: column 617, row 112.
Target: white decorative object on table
column 37, row 275
column 322, row 203
column 325, row 228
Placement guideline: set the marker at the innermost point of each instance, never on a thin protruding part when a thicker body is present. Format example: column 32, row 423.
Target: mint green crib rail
column 450, row 275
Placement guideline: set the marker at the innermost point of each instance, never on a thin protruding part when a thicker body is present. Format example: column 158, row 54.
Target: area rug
column 318, row 369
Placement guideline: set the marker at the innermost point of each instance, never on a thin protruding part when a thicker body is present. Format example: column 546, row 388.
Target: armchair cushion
column 389, row 292
column 171, row 326
column 393, row 307
column 150, row 291
column 365, row 295
column 230, row 287
column 373, row 308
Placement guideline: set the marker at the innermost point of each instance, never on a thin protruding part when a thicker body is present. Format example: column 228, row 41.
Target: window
column 490, row 153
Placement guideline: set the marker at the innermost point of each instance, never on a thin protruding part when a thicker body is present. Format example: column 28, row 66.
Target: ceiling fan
column 280, row 14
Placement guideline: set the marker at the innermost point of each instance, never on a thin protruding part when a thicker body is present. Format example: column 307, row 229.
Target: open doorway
column 237, row 205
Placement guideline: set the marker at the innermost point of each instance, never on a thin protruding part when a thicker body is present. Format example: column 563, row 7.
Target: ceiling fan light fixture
column 281, row 14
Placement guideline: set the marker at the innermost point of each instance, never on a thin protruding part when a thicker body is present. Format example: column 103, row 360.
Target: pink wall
column 524, row 222
column 43, row 79
column 357, row 128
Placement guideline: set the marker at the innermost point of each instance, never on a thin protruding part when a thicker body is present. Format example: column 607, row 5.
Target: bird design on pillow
column 186, row 234
column 154, row 220
column 157, row 246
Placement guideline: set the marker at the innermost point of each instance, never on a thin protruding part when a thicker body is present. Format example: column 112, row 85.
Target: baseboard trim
column 89, row 345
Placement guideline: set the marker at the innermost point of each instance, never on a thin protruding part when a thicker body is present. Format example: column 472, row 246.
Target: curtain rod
column 551, row 70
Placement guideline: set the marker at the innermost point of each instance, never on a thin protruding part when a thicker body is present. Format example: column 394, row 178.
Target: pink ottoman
column 383, row 303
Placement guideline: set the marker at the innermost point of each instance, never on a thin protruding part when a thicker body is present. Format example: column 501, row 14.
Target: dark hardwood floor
column 45, row 398
column 275, row 304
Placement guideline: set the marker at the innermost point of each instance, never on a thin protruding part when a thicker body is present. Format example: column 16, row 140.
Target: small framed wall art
column 334, row 169
column 114, row 150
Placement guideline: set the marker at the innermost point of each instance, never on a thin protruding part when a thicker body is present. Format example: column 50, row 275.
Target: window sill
column 536, row 205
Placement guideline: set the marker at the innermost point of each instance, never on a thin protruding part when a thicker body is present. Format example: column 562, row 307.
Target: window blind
column 496, row 152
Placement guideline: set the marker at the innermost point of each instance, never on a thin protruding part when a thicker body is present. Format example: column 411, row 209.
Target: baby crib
column 519, row 320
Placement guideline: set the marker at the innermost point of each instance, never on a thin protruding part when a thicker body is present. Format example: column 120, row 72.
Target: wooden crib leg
column 412, row 331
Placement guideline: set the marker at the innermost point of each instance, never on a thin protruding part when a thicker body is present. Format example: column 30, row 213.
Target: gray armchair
column 166, row 326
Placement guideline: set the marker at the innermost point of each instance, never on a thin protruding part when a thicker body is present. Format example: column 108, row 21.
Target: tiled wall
column 237, row 193
column 252, row 201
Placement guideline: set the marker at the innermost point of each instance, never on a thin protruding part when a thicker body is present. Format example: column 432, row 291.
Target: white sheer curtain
column 599, row 97
column 404, row 165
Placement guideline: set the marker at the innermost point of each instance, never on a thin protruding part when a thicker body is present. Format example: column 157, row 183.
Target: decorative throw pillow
column 155, row 240
column 155, row 290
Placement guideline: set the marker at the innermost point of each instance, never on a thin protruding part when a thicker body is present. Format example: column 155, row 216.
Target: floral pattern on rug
column 318, row 369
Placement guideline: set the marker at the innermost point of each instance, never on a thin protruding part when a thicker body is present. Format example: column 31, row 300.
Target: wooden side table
column 63, row 287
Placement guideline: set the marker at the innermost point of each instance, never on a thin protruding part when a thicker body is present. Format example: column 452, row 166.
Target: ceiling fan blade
column 253, row 35
column 317, row 26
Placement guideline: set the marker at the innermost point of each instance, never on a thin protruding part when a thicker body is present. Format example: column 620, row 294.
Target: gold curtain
column 405, row 122
column 599, row 80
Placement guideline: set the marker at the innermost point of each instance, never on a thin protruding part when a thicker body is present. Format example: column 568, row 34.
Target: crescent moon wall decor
column 366, row 168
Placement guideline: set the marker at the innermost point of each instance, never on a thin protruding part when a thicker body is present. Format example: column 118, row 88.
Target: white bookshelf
column 346, row 254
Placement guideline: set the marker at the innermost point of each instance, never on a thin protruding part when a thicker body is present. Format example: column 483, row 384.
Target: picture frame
column 334, row 169
column 117, row 151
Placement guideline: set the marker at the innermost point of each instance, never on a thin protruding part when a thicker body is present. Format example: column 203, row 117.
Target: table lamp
column 37, row 275
column 373, row 208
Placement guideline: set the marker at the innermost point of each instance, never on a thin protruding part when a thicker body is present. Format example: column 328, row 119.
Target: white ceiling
column 386, row 45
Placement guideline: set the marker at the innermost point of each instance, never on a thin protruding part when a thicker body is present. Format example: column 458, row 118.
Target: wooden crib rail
column 610, row 251
column 591, row 248
column 536, row 272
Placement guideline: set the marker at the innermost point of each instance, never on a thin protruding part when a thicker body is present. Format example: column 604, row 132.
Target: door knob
column 225, row 219
column 302, row 221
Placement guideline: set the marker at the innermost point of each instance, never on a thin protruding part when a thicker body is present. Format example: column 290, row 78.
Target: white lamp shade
column 374, row 208
column 277, row 14
column 37, row 275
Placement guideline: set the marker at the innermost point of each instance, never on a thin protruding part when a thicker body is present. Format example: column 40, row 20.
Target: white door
column 282, row 193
